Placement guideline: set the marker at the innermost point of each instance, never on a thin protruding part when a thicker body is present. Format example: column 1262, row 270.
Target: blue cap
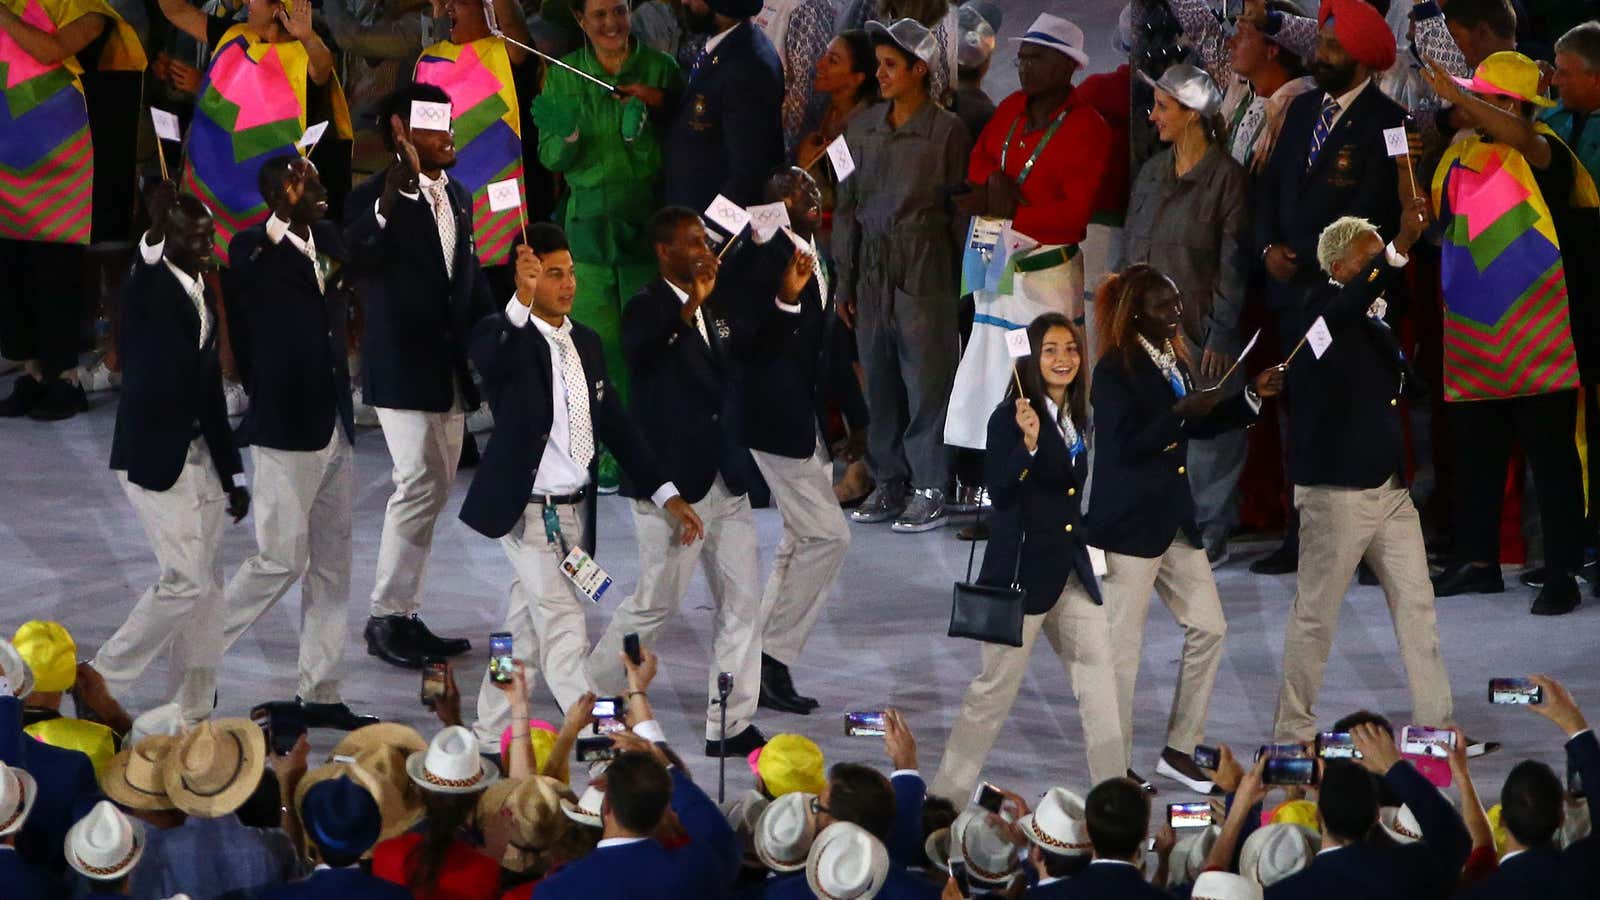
column 341, row 817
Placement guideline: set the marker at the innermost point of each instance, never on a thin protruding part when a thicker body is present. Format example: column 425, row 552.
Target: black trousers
column 41, row 303
column 1482, row 432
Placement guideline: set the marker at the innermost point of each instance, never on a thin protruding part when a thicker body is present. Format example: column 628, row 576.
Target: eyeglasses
column 817, row 808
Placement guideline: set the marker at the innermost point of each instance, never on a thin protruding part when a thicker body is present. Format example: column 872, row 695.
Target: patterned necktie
column 700, row 325
column 445, row 218
column 580, row 433
column 699, row 62
column 197, row 295
column 1319, row 134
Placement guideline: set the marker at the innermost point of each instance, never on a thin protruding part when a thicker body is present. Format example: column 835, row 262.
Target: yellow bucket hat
column 1507, row 74
column 50, row 652
column 1296, row 812
column 789, row 763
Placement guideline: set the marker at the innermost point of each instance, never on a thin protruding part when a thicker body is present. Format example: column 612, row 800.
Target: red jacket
column 1059, row 194
column 1108, row 93
column 466, row 875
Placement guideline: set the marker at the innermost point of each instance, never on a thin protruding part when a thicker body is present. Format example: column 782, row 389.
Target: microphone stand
column 724, row 688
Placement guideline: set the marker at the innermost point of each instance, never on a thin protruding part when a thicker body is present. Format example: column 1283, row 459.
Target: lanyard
column 1027, row 167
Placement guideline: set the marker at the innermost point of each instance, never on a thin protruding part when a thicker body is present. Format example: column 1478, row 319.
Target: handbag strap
column 1016, row 570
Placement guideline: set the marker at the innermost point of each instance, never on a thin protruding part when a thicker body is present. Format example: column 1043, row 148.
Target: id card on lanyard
column 989, row 239
column 577, row 566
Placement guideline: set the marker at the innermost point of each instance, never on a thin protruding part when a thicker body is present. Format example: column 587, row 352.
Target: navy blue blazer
column 900, row 885
column 1055, row 890
column 1531, row 874
column 1141, row 485
column 905, row 838
column 21, row 880
column 1107, row 881
column 681, row 393
column 727, row 135
column 645, row 870
column 67, row 789
column 1036, row 513
column 1427, row 868
column 337, row 884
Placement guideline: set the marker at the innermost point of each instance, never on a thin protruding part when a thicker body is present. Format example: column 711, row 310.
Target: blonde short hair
column 1337, row 239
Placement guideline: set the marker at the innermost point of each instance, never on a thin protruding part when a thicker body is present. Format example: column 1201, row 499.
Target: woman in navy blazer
column 1034, row 470
column 1146, row 410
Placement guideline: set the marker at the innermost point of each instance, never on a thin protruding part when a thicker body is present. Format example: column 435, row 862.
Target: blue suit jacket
column 18, row 880
column 1532, row 873
column 337, row 884
column 900, row 885
column 643, row 870
column 1108, row 880
column 905, row 839
column 727, row 136
column 67, row 788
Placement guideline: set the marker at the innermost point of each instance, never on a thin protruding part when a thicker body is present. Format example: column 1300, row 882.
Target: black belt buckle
column 571, row 499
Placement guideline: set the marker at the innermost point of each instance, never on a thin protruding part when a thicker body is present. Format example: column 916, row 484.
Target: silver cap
column 909, row 35
column 1190, row 86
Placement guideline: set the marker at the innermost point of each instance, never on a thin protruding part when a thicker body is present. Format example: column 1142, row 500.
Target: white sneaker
column 1167, row 770
column 98, row 377
column 238, row 400
column 365, row 416
column 480, row 420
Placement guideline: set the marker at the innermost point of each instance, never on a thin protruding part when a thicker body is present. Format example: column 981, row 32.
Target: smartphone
column 596, row 749
column 1519, row 691
column 1189, row 815
column 608, row 713
column 630, row 646
column 1281, row 751
column 958, row 873
column 283, row 724
column 1290, row 770
column 989, row 797
column 864, row 724
column 435, row 676
column 1206, row 757
column 502, row 665
column 1428, row 750
column 1337, row 745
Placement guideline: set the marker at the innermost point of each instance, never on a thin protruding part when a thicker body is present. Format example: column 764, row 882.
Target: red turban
column 1362, row 30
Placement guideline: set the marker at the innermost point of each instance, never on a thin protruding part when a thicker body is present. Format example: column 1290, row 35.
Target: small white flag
column 1319, row 337
column 312, row 135
column 728, row 215
column 767, row 218
column 504, row 195
column 799, row 244
column 166, row 125
column 1394, row 140
column 839, row 155
column 1250, row 344
column 430, row 116
column 1017, row 343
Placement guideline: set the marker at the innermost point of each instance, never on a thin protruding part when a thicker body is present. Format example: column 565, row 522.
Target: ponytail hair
column 1118, row 301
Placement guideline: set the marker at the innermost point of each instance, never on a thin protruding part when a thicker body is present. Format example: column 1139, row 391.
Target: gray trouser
column 909, row 349
column 1214, row 470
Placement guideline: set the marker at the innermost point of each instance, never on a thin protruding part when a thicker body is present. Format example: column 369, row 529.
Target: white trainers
column 98, row 377
column 365, row 416
column 238, row 400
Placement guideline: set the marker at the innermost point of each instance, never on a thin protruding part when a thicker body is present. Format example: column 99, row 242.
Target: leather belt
column 571, row 499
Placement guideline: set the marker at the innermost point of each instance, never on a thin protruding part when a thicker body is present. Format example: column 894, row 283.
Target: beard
column 702, row 23
column 1332, row 79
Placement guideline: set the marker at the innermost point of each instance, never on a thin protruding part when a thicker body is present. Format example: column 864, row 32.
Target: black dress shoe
column 777, row 674
column 389, row 639
column 429, row 644
column 1558, row 597
column 739, row 745
column 1281, row 561
column 1365, row 575
column 1533, row 576
column 1467, row 578
column 333, row 715
column 60, row 399
column 25, row 391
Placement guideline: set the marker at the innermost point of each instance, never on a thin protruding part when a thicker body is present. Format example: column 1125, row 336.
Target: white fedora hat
column 989, row 857
column 1400, row 823
column 1274, row 852
column 105, row 844
column 1058, row 825
column 1057, row 34
column 451, row 764
column 785, row 832
column 587, row 810
column 846, row 863
column 1224, row 886
column 16, row 670
column 1191, row 852
column 17, row 793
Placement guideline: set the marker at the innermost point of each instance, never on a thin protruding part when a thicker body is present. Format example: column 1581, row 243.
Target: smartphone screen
column 595, row 749
column 501, row 663
column 1519, row 691
column 1189, row 815
column 1205, row 757
column 630, row 646
column 1337, row 745
column 608, row 712
column 864, row 724
column 1281, row 751
column 1290, row 770
column 433, row 683
column 989, row 797
column 1435, row 743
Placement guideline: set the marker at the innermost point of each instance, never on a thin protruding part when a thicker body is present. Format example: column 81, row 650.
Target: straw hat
column 215, row 768
column 15, row 670
column 846, row 863
column 785, row 832
column 587, row 810
column 1224, row 886
column 1274, row 852
column 17, row 793
column 399, row 800
column 135, row 778
column 383, row 734
column 105, row 844
column 451, row 764
column 1058, row 825
column 990, row 857
column 50, row 653
column 533, row 805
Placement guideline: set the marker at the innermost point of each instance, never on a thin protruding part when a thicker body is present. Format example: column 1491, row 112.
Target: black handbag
column 986, row 613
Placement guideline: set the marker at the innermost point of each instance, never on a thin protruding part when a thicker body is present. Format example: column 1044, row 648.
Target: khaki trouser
column 815, row 538
column 426, row 447
column 1077, row 630
column 184, row 524
column 1181, row 577
column 731, row 551
column 301, row 505
column 1338, row 528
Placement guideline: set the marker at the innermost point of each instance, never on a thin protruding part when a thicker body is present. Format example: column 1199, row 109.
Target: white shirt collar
column 1344, row 100
column 191, row 285
column 1112, row 862
column 278, row 229
column 618, row 842
column 548, row 330
column 1508, row 856
column 425, row 182
column 714, row 40
column 677, row 291
column 1045, row 881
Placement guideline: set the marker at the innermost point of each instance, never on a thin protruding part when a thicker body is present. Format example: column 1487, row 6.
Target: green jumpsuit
column 613, row 186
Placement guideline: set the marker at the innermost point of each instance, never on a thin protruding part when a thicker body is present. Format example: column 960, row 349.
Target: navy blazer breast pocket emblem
column 723, row 331
column 698, row 120
column 600, row 391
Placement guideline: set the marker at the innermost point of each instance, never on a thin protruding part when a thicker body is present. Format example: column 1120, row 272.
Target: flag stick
column 1296, row 348
column 1413, row 176
column 494, row 27
column 161, row 157
column 1018, row 377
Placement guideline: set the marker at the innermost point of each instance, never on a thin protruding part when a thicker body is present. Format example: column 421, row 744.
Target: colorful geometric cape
column 46, row 153
column 1507, row 330
column 488, row 132
column 252, row 107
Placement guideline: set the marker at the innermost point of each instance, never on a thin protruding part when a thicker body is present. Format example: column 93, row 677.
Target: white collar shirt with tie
column 443, row 215
column 699, row 312
column 817, row 272
column 278, row 230
column 1344, row 100
column 196, row 290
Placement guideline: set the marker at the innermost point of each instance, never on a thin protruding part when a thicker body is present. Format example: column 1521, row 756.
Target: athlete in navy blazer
column 67, row 790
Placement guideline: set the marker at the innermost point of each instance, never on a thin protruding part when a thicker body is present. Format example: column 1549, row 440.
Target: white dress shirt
column 699, row 314
column 714, row 40
column 423, row 181
column 1344, row 100
column 278, row 229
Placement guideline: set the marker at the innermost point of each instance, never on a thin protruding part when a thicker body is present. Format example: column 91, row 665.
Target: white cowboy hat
column 1224, row 886
column 1274, row 852
column 15, row 669
column 1190, row 854
column 1400, row 824
column 451, row 764
column 937, row 848
column 105, row 844
column 215, row 768
column 1058, row 825
column 846, row 863
column 785, row 832
column 587, row 810
column 1057, row 34
column 991, row 860
column 17, row 793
